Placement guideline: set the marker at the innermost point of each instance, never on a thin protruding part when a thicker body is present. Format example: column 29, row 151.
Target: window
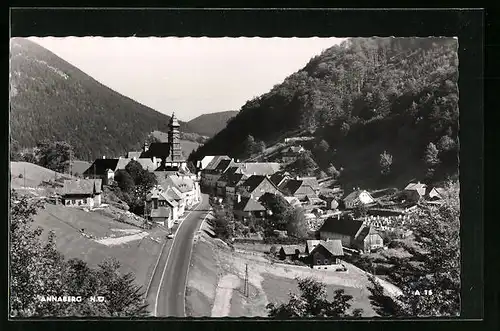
column 318, row 261
column 73, row 202
column 79, row 202
column 326, row 261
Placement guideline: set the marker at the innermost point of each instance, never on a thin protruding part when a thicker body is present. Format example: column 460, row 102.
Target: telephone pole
column 246, row 280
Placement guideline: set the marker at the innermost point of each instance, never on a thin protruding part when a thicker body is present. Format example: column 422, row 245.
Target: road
column 166, row 293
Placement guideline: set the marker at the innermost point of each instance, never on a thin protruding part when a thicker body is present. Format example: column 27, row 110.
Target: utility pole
column 246, row 280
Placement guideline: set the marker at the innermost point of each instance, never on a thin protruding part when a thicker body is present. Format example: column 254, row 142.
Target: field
column 217, row 273
column 32, row 174
column 102, row 237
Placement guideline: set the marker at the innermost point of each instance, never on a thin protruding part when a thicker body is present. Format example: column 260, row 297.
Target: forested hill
column 362, row 97
column 52, row 99
column 211, row 124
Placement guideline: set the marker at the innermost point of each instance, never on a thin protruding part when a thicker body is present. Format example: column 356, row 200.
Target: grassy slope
column 137, row 257
column 33, row 174
column 211, row 124
column 51, row 99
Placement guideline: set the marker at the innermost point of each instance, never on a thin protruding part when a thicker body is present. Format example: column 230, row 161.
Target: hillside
column 211, row 124
column 32, row 175
column 52, row 99
column 357, row 100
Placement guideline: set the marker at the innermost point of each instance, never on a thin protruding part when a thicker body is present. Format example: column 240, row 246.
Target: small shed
column 291, row 252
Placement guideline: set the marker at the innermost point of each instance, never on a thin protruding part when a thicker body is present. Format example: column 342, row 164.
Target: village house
column 259, row 168
column 105, row 169
column 176, row 195
column 358, row 197
column 436, row 193
column 205, row 173
column 163, row 208
column 205, row 161
column 256, row 186
column 293, row 201
column 352, row 233
column 291, row 153
column 291, row 252
column 280, row 177
column 82, row 192
column 297, row 188
column 188, row 188
column 246, row 207
column 223, row 180
column 233, row 181
column 325, row 254
column 415, row 191
column 209, row 177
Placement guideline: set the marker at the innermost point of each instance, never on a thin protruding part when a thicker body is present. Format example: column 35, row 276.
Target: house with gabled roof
column 289, row 154
column 210, row 176
column 291, row 252
column 297, row 188
column 233, row 181
column 280, row 177
column 259, row 168
column 352, row 233
column 357, row 197
column 436, row 193
column 256, row 186
column 246, row 207
column 415, row 191
column 187, row 186
column 223, row 180
column 326, row 254
column 163, row 207
column 82, row 193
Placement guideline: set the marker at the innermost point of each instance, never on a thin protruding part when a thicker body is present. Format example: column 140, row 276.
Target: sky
column 191, row 76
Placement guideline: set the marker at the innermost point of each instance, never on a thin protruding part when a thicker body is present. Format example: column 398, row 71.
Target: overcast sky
column 190, row 76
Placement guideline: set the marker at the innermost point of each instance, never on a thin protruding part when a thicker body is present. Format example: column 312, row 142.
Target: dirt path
column 222, row 303
column 122, row 240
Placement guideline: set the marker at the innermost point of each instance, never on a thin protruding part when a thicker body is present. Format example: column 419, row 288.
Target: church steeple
column 174, row 139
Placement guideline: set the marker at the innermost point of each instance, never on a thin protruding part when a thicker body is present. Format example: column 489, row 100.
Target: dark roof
column 332, row 246
column 161, row 150
column 100, row 166
column 342, row 226
column 253, row 182
column 223, row 165
column 82, row 186
column 291, row 186
column 277, row 177
column 290, row 249
column 160, row 212
column 234, row 179
column 248, row 204
column 229, row 171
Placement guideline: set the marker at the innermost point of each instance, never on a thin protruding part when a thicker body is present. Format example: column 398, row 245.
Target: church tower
column 174, row 140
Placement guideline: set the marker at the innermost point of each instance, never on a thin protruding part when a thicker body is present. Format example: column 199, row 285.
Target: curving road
column 168, row 285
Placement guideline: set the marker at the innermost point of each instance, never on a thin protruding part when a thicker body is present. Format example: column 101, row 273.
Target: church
column 168, row 156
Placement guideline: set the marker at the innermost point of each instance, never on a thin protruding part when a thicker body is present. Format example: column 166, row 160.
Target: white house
column 82, row 192
column 358, row 197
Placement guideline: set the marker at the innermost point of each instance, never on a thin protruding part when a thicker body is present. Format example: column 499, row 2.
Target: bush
column 273, row 250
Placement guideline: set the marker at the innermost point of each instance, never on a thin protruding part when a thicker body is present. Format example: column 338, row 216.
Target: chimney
column 154, row 160
column 239, row 198
column 145, row 147
column 104, row 156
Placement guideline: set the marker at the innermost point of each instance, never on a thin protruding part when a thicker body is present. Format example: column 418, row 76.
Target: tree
column 39, row 269
column 435, row 267
column 248, row 146
column 385, row 163
column 259, row 147
column 124, row 181
column 313, row 302
column 332, row 171
column 135, row 170
column 431, row 158
column 54, row 155
column 323, row 146
column 224, row 224
column 446, row 144
column 191, row 167
column 279, row 209
column 297, row 223
column 304, row 165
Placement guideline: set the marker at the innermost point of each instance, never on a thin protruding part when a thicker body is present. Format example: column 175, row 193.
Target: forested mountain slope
column 51, row 99
column 363, row 97
column 211, row 124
